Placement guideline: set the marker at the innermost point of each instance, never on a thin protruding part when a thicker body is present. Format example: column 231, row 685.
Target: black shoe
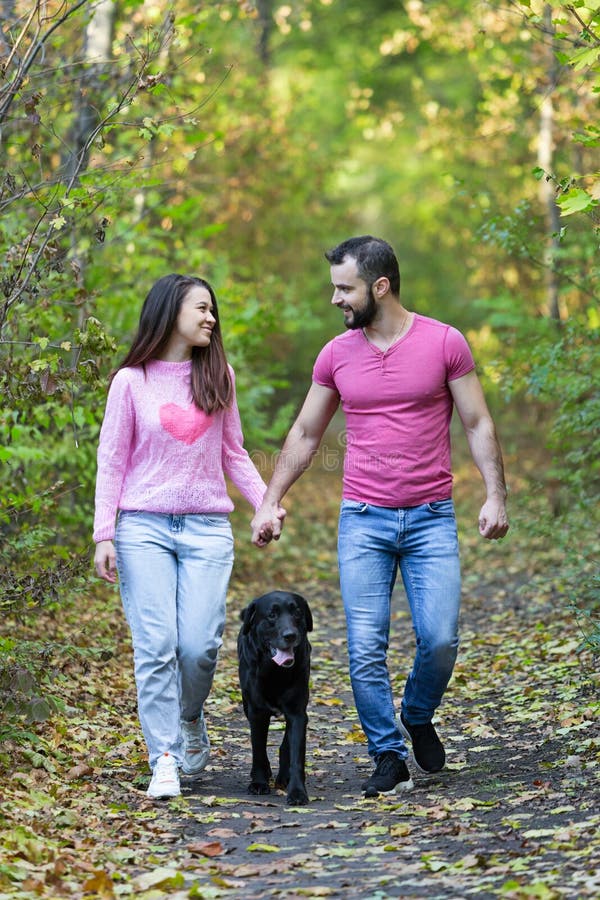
column 390, row 775
column 428, row 750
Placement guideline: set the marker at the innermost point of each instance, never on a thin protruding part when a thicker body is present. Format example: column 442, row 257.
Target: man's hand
column 493, row 520
column 105, row 560
column 267, row 524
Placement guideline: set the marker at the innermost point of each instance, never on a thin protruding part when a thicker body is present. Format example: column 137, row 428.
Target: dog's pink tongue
column 283, row 657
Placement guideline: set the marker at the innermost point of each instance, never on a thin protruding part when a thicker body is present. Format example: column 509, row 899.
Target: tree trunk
column 547, row 187
column 97, row 43
column 265, row 25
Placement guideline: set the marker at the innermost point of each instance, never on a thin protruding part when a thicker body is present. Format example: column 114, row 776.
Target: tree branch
column 13, row 88
column 585, row 27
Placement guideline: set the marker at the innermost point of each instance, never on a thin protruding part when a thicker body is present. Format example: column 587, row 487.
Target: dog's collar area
column 283, row 658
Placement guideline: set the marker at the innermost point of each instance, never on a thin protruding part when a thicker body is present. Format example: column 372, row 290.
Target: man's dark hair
column 374, row 259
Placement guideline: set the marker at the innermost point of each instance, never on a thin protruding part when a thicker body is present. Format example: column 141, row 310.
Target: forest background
column 240, row 140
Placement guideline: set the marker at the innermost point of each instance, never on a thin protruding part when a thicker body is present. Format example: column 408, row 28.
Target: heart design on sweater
column 185, row 425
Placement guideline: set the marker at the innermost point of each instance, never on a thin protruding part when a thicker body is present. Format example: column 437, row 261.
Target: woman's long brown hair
column 211, row 383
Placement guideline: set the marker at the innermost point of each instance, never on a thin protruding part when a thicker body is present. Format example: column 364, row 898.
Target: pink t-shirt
column 398, row 408
column 159, row 453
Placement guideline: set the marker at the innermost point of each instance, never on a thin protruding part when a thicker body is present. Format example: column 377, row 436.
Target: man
column 397, row 375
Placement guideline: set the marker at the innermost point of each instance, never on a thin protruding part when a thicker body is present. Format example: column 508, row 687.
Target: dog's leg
column 283, row 776
column 296, row 726
column 261, row 769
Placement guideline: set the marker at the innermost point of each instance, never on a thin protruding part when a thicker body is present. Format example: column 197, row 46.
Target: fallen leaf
column 78, row 772
column 262, row 848
column 100, row 883
column 206, row 848
column 162, row 877
column 222, row 833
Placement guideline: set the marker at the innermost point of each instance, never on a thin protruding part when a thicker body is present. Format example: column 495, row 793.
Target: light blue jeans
column 173, row 577
column 373, row 542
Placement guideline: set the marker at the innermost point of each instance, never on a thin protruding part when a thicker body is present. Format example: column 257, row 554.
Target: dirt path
column 515, row 813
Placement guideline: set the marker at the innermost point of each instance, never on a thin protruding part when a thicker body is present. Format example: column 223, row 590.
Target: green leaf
column 582, row 59
column 574, row 201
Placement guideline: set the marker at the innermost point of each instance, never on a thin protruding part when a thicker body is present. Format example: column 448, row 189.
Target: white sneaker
column 196, row 746
column 165, row 779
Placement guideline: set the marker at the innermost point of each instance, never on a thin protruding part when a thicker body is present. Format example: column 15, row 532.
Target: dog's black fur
column 277, row 621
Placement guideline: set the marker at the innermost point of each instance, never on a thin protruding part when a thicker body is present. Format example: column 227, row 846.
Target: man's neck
column 388, row 328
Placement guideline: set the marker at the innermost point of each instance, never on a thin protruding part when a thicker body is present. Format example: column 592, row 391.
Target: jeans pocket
column 353, row 506
column 214, row 519
column 126, row 514
column 441, row 508
column 126, row 519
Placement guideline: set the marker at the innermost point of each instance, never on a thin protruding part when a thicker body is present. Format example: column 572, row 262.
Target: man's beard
column 364, row 317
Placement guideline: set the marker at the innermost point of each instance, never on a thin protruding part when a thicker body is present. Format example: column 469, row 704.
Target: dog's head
column 280, row 621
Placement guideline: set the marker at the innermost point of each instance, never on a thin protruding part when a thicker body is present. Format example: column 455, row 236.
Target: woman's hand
column 105, row 560
column 267, row 524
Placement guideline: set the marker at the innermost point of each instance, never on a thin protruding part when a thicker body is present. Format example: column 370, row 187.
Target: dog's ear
column 247, row 617
column 307, row 613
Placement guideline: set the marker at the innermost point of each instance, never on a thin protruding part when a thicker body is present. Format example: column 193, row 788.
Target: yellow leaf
column 262, row 848
column 99, row 883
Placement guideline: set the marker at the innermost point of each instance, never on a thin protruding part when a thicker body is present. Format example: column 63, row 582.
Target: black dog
column 274, row 669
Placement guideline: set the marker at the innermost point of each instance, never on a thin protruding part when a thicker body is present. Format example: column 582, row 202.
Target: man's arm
column 485, row 450
column 298, row 450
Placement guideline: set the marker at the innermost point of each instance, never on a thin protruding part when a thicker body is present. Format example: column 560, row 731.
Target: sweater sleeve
column 116, row 437
column 237, row 465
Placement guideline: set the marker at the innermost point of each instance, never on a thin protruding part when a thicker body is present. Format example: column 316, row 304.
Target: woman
column 171, row 432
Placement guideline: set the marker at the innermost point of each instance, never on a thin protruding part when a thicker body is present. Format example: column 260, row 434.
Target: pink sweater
column 398, row 408
column 159, row 453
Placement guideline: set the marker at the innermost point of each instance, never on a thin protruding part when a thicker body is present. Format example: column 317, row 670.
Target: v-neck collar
column 378, row 351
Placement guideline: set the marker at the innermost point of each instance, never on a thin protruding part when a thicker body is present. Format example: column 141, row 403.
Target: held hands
column 267, row 524
column 493, row 520
column 105, row 561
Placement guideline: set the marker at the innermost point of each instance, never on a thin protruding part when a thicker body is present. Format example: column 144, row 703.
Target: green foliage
column 93, row 211
column 564, row 373
column 553, row 371
column 24, row 694
column 554, row 366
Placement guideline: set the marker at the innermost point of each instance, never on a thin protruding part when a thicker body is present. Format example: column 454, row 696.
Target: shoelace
column 164, row 771
column 387, row 766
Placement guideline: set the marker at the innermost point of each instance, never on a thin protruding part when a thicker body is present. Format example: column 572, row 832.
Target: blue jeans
column 373, row 542
column 173, row 577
